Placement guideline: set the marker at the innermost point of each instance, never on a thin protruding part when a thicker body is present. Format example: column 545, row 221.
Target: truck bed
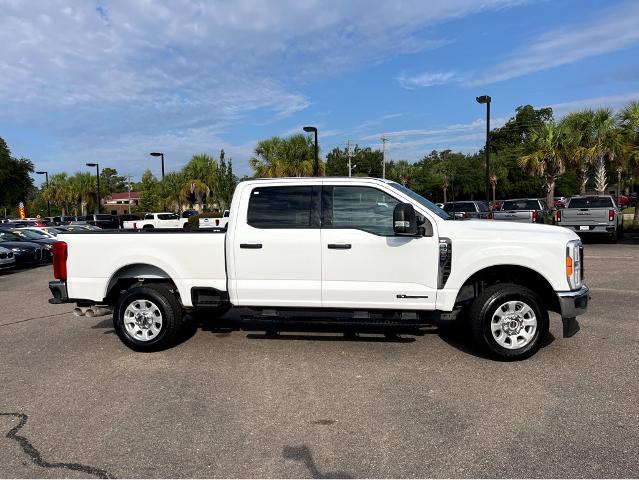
column 190, row 259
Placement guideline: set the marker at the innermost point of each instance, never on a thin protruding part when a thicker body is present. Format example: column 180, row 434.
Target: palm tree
column 402, row 172
column 629, row 123
column 608, row 143
column 580, row 143
column 171, row 189
column 83, row 188
column 284, row 157
column 548, row 160
column 59, row 191
column 194, row 192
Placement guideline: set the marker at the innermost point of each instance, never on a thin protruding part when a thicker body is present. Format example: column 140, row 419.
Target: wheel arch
column 128, row 275
column 510, row 273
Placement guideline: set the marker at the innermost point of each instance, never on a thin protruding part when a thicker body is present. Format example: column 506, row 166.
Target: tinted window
column 459, row 207
column 363, row 208
column 168, row 216
column 280, row 207
column 520, row 205
column 483, row 207
column 590, row 202
column 148, row 216
column 104, row 217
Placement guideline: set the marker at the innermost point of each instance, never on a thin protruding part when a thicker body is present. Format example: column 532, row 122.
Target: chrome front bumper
column 571, row 304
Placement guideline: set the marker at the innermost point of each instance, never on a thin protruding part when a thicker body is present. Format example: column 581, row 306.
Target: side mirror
column 404, row 220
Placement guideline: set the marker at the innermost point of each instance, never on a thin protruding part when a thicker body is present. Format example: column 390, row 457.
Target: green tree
column 59, row 192
column 16, row 184
column 629, row 123
column 149, row 193
column 401, row 171
column 608, row 142
column 293, row 156
column 83, row 189
column 548, row 159
column 170, row 190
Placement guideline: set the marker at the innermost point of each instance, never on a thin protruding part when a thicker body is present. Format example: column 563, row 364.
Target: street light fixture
column 486, row 99
column 46, row 174
column 316, row 165
column 97, row 176
column 159, row 154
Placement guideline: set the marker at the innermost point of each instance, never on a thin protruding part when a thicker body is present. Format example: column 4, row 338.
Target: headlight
column 17, row 249
column 574, row 264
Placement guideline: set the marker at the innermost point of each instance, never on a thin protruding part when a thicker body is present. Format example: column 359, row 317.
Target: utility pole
column 384, row 140
column 348, row 153
column 129, row 189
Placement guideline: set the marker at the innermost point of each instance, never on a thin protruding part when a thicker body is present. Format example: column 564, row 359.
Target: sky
column 110, row 81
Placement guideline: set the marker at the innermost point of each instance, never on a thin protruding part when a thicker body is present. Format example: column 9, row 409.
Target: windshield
column 421, row 200
column 590, row 202
column 9, row 237
column 28, row 234
column 520, row 205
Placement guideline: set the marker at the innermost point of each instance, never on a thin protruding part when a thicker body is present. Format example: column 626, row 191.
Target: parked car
column 468, row 209
column 494, row 205
column 25, row 252
column 559, row 202
column 44, row 242
column 525, row 210
column 157, row 220
column 345, row 249
column 592, row 214
column 127, row 217
column 188, row 213
column 103, row 221
column 7, row 260
column 46, row 232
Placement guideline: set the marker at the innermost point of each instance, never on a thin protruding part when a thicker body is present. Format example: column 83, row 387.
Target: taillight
column 559, row 215
column 535, row 216
column 611, row 215
column 60, row 260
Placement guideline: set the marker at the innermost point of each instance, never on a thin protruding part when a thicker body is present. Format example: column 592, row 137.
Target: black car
column 25, row 252
column 467, row 209
column 29, row 236
column 102, row 220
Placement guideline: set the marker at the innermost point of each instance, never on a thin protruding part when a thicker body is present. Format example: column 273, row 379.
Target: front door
column 276, row 249
column 364, row 264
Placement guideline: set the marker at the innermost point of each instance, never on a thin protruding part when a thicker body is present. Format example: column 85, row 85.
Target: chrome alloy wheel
column 513, row 324
column 142, row 320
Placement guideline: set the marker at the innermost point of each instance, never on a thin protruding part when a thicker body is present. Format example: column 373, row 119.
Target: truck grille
column 5, row 255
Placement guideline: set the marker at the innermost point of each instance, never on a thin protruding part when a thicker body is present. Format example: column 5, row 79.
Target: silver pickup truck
column 592, row 215
column 525, row 210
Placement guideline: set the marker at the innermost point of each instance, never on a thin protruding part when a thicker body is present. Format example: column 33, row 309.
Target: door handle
column 250, row 245
column 339, row 246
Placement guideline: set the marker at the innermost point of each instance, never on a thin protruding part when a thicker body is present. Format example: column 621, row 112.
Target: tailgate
column 584, row 216
column 513, row 216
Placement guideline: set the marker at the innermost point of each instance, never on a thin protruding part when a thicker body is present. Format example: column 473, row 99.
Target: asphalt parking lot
column 75, row 402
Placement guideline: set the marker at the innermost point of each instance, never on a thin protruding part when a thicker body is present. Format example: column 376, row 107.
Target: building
column 118, row 203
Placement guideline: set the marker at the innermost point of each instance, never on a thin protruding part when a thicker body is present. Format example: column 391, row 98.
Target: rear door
column 364, row 264
column 276, row 247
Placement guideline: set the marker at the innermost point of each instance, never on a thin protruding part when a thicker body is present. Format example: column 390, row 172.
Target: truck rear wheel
column 508, row 321
column 148, row 317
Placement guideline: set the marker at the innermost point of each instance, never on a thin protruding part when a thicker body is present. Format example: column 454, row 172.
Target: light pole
column 46, row 174
column 384, row 140
column 316, row 165
column 97, row 176
column 159, row 154
column 486, row 99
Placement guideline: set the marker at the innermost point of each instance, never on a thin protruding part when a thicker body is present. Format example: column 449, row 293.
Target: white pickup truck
column 156, row 220
column 346, row 250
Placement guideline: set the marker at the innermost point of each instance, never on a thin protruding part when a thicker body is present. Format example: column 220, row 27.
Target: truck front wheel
column 508, row 321
column 148, row 317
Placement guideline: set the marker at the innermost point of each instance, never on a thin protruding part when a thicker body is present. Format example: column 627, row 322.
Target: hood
column 500, row 230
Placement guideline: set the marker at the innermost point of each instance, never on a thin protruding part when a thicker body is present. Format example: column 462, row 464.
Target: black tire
column 486, row 305
column 148, row 227
column 186, row 227
column 168, row 305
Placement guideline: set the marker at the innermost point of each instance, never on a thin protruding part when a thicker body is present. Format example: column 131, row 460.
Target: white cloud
column 91, row 73
column 612, row 101
column 426, row 79
column 613, row 31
